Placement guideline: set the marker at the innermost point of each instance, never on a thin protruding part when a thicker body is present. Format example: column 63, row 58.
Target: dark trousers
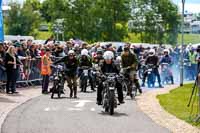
column 119, row 92
column 45, row 83
column 156, row 72
column 91, row 79
column 11, row 80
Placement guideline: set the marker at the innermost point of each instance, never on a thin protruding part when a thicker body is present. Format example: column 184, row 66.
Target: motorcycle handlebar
column 84, row 67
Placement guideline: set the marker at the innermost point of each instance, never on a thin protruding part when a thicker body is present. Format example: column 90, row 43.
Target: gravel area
column 149, row 104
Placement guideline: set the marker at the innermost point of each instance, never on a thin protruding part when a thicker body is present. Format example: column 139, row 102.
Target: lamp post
column 182, row 42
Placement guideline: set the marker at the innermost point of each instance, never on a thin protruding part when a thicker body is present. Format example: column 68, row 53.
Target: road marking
column 92, row 109
column 81, row 103
column 74, row 109
column 47, row 109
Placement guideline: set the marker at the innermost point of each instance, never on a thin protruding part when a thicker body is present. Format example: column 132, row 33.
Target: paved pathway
column 149, row 104
column 9, row 102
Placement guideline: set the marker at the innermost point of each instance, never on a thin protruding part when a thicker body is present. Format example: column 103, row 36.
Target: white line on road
column 92, row 109
column 47, row 109
column 81, row 103
column 74, row 109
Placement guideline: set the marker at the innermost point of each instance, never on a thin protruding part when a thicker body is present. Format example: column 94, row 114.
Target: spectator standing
column 46, row 70
column 193, row 67
column 12, row 63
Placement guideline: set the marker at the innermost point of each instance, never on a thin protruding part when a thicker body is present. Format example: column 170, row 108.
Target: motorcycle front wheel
column 112, row 102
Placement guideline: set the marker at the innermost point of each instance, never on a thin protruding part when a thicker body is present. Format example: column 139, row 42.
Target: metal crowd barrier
column 28, row 73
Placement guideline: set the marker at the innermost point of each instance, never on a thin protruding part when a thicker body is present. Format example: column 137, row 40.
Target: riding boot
column 92, row 87
column 75, row 92
column 138, row 86
column 71, row 92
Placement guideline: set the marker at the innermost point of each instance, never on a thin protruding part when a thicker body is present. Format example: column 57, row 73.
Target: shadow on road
column 56, row 98
column 6, row 100
column 116, row 114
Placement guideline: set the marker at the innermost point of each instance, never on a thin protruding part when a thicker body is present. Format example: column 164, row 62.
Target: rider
column 167, row 59
column 85, row 61
column 71, row 64
column 108, row 66
column 129, row 60
column 152, row 59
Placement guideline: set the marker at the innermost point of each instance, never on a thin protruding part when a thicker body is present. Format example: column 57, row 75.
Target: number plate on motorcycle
column 150, row 69
column 85, row 72
column 111, row 88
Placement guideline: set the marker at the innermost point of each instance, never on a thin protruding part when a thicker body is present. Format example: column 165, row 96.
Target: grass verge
column 176, row 103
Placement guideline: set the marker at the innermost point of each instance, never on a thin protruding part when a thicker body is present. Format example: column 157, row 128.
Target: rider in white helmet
column 166, row 51
column 108, row 55
column 166, row 57
column 71, row 52
column 154, row 60
column 151, row 52
column 85, row 61
column 166, row 60
column 84, row 52
column 108, row 66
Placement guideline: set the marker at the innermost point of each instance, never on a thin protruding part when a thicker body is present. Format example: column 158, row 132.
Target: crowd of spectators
column 29, row 53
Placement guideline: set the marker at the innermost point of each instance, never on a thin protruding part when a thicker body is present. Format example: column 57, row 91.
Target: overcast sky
column 190, row 5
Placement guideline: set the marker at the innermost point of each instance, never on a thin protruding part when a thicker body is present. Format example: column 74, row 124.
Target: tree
column 22, row 21
column 53, row 9
column 156, row 20
column 99, row 20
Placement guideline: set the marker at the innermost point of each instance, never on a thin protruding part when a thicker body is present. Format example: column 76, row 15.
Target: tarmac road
column 82, row 115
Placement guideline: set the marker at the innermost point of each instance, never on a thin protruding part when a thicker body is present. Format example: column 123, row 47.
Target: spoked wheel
column 125, row 89
column 141, row 73
column 134, row 92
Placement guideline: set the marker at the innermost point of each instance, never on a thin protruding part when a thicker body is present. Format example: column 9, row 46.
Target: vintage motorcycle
column 127, row 85
column 58, row 81
column 150, row 75
column 108, row 93
column 85, row 77
column 166, row 74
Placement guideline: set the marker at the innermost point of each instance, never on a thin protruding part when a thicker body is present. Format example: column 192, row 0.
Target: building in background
column 192, row 24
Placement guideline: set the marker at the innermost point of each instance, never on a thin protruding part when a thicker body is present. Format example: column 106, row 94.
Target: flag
column 1, row 23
